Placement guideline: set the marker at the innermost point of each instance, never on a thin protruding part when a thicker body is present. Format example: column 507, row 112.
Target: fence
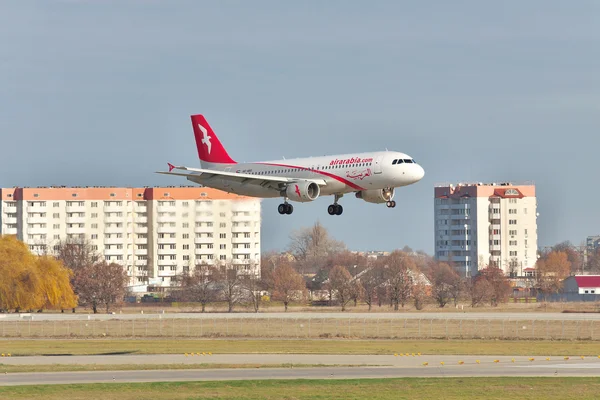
column 273, row 327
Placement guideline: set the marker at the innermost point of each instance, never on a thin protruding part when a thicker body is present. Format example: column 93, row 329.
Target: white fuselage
column 344, row 173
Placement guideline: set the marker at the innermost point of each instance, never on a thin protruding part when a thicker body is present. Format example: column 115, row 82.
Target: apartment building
column 478, row 224
column 154, row 232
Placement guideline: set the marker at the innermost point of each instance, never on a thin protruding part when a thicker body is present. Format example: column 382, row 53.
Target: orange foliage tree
column 551, row 270
column 29, row 282
column 287, row 284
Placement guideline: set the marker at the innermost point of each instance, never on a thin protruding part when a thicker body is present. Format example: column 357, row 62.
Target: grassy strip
column 160, row 346
column 4, row 368
column 375, row 389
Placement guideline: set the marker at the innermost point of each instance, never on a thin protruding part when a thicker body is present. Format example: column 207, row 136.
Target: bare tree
column 356, row 291
column 499, row 282
column 479, row 290
column 399, row 271
column 253, row 285
column 551, row 270
column 288, row 284
column 198, row 285
column 371, row 280
column 101, row 284
column 443, row 279
column 229, row 283
column 340, row 283
column 312, row 246
column 77, row 254
column 419, row 294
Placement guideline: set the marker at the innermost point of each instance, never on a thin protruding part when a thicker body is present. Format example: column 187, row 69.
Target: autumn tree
column 287, row 285
column 573, row 255
column 443, row 281
column 29, row 282
column 341, row 285
column 312, row 246
column 593, row 261
column 101, row 284
column 500, row 285
column 197, row 286
column 551, row 270
column 399, row 269
column 419, row 295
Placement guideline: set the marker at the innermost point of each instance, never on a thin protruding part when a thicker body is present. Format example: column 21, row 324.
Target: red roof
column 588, row 281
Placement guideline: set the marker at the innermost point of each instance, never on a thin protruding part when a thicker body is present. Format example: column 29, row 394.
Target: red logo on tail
column 171, row 166
column 298, row 191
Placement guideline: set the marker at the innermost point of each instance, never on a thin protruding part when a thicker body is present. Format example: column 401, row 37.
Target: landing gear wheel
column 285, row 208
column 335, row 209
column 391, row 204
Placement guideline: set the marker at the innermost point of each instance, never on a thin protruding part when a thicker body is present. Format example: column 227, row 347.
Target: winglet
column 171, row 166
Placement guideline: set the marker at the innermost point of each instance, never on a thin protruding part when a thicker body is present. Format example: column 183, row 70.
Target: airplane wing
column 204, row 177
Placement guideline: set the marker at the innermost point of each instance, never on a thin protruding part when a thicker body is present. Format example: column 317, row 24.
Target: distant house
column 582, row 284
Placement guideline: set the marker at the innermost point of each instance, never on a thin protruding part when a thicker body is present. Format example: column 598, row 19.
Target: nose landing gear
column 391, row 204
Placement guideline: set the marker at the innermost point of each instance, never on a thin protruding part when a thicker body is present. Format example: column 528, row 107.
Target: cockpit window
column 408, row 161
column 394, row 162
column 400, row 161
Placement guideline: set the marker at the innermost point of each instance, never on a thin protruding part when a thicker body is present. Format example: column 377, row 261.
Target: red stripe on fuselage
column 337, row 178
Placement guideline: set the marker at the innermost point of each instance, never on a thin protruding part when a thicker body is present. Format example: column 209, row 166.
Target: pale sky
column 100, row 93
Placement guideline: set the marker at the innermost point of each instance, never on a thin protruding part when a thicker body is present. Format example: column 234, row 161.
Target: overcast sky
column 100, row 93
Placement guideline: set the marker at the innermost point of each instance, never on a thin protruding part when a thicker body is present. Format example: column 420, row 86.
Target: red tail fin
column 209, row 147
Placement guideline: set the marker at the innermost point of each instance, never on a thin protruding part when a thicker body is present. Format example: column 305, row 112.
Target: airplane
column 372, row 177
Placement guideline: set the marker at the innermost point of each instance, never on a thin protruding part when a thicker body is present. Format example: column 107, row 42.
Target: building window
column 513, row 253
column 55, row 204
column 222, row 235
column 512, row 221
column 94, row 204
column 222, row 246
column 186, row 247
column 56, row 226
column 185, row 236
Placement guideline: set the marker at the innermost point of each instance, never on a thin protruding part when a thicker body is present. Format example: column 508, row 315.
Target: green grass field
column 5, row 368
column 373, row 389
column 23, row 347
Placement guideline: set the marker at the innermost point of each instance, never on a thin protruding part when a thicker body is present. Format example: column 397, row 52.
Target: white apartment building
column 155, row 233
column 480, row 224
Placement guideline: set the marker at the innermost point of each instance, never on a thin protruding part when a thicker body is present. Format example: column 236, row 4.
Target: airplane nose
column 419, row 173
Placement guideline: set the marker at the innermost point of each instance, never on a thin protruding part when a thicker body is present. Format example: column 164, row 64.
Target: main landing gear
column 285, row 208
column 391, row 204
column 335, row 208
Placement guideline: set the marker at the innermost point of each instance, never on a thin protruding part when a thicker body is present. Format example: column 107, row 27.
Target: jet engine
column 376, row 195
column 302, row 191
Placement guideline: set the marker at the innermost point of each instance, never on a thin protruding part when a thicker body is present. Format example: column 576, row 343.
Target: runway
column 455, row 315
column 379, row 367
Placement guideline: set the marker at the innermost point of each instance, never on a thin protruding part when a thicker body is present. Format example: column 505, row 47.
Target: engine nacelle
column 302, row 191
column 376, row 195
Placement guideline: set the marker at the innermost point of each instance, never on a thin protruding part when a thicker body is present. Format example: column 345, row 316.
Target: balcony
column 495, row 247
column 200, row 229
column 77, row 209
column 11, row 231
column 140, row 209
column 241, row 229
column 10, row 209
column 139, row 240
column 241, row 251
column 114, row 252
column 141, row 262
column 113, row 229
column 165, row 208
column 75, row 231
column 113, row 208
column 37, row 231
column 166, row 240
column 166, row 229
column 141, row 229
column 113, row 241
column 166, row 219
column 75, row 220
column 36, row 209
column 244, row 218
column 9, row 220
column 167, row 272
column 167, row 251
column 113, row 220
column 141, row 252
column 241, row 240
column 141, row 219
